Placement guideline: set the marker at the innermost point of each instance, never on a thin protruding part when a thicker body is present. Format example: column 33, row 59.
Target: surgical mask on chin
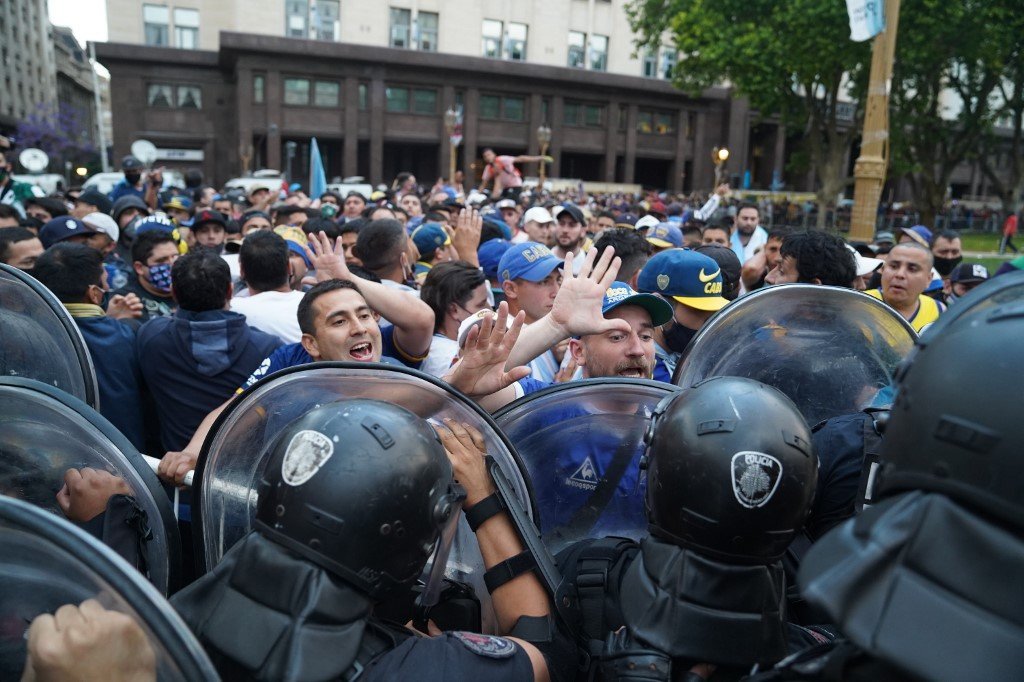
column 944, row 266
column 160, row 277
column 677, row 337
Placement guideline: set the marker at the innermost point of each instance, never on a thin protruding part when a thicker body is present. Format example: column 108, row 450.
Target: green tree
column 792, row 58
column 950, row 62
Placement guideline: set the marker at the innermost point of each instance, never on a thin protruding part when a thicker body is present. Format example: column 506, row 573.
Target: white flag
column 867, row 18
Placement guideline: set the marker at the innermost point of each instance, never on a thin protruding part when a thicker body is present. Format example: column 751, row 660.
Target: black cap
column 969, row 273
column 94, row 197
column 576, row 214
column 208, row 215
column 131, row 163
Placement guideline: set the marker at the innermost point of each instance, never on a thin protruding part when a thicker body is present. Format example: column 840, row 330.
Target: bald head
column 918, row 249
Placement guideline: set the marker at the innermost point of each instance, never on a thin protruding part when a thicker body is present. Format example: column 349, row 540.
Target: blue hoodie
column 193, row 362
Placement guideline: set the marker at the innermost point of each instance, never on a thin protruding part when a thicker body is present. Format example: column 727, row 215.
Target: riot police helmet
column 361, row 488
column 731, row 470
column 955, row 426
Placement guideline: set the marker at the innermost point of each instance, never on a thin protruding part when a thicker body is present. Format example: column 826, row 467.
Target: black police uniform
column 731, row 475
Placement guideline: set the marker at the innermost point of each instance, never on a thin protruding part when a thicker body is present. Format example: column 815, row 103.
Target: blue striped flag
column 317, row 176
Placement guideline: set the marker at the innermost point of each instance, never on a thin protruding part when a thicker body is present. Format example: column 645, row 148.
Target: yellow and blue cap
column 688, row 277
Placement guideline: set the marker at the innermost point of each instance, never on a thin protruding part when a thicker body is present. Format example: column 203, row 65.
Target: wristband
column 509, row 569
column 483, row 510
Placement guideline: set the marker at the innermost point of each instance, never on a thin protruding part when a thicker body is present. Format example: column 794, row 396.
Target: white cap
column 473, row 320
column 538, row 214
column 103, row 223
column 506, row 203
column 476, row 197
column 646, row 222
column 865, row 265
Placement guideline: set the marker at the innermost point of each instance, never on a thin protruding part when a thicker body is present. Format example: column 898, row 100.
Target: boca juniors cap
column 530, row 261
column 620, row 294
column 665, row 236
column 685, row 276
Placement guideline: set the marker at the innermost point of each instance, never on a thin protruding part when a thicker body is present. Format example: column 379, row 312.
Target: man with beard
column 692, row 283
column 905, row 276
column 747, row 235
column 610, row 329
column 570, row 235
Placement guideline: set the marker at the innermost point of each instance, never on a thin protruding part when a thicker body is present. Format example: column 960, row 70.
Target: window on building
column 490, row 107
column 296, row 21
column 492, row 33
column 571, row 114
column 186, row 28
column 296, row 91
column 190, row 97
column 516, row 42
column 577, row 49
column 650, row 63
column 160, row 95
column 424, row 101
column 593, row 116
column 326, row 94
column 623, row 117
column 599, row 53
column 154, row 22
column 327, row 20
column 645, row 122
column 664, row 123
column 514, row 109
column 362, row 96
column 426, row 24
column 401, row 27
column 396, row 99
column 668, row 62
column 258, row 84
column 545, row 104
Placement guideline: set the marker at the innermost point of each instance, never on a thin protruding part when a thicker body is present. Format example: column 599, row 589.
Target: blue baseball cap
column 157, row 223
column 620, row 293
column 64, row 227
column 688, row 277
column 920, row 234
column 428, row 238
column 489, row 254
column 665, row 235
column 530, row 261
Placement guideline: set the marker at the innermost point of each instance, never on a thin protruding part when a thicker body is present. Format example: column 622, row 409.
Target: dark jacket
column 193, row 362
column 112, row 347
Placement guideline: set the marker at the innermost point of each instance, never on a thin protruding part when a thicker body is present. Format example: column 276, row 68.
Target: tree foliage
column 793, row 59
column 63, row 133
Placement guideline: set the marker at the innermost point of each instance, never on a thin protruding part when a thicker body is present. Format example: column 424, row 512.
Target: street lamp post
column 451, row 120
column 544, row 138
column 719, row 155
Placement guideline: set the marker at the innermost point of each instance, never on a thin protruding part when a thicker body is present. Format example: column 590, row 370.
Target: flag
column 317, row 177
column 867, row 18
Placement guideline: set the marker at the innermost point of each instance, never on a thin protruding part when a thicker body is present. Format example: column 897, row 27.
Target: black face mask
column 944, row 266
column 132, row 178
column 677, row 337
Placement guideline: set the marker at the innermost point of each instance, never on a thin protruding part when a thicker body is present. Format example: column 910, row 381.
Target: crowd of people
column 187, row 296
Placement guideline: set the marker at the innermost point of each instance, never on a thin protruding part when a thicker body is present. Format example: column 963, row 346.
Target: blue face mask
column 160, row 276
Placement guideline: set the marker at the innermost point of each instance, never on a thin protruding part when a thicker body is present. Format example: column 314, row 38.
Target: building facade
column 376, row 111
column 583, row 34
column 76, row 99
column 27, row 64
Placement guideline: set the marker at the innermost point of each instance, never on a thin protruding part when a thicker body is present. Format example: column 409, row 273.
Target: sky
column 87, row 18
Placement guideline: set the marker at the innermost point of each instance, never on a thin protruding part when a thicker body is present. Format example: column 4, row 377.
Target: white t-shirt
column 443, row 352
column 273, row 312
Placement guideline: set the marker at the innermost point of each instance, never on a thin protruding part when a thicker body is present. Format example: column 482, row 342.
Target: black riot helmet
column 955, row 426
column 361, row 488
column 731, row 471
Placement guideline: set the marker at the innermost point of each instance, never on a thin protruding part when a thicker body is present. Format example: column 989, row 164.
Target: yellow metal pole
column 869, row 171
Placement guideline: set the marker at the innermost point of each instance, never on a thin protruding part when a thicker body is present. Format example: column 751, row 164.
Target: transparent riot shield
column 47, row 562
column 231, row 461
column 39, row 339
column 581, row 443
column 45, row 432
column 830, row 349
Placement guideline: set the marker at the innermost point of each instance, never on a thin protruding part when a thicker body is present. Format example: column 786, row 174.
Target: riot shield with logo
column 45, row 432
column 46, row 562
column 231, row 461
column 40, row 340
column 830, row 349
column 581, row 442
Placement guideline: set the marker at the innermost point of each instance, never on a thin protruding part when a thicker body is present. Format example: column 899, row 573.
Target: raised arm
column 576, row 310
column 480, row 372
column 413, row 319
